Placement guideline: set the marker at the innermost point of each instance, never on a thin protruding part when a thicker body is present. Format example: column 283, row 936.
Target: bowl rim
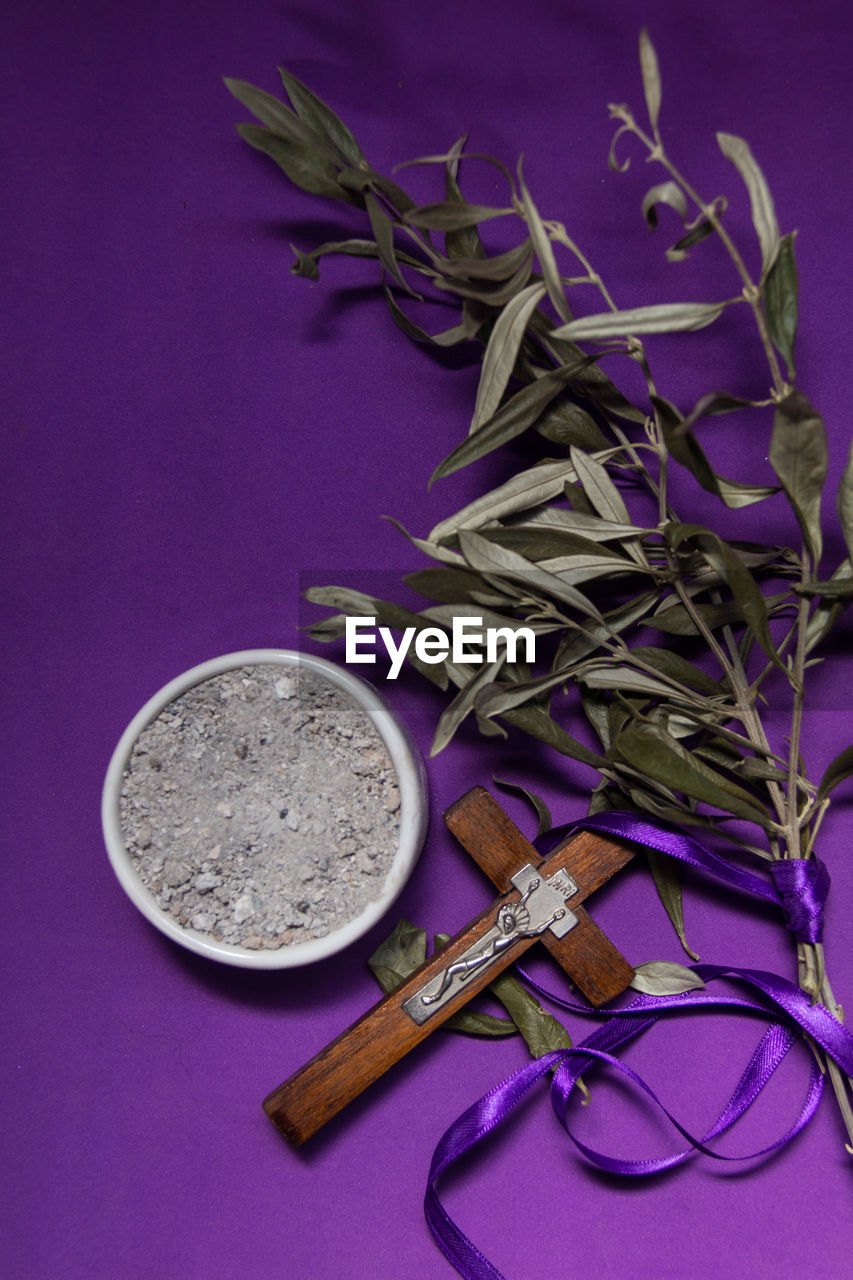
column 411, row 780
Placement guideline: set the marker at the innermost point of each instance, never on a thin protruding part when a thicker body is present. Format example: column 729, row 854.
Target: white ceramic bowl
column 411, row 780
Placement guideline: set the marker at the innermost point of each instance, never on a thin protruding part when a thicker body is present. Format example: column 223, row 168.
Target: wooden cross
column 540, row 900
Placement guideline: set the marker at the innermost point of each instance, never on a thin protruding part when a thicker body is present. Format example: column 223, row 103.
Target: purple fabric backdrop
column 191, row 436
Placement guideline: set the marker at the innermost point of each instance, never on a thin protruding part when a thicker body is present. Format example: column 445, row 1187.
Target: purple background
column 191, row 435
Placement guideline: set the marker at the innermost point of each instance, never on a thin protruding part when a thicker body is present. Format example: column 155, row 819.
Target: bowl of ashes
column 264, row 809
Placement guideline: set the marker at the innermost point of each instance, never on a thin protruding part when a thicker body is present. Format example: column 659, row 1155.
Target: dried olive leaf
column 798, row 455
column 601, row 495
column 544, row 252
column 464, row 242
column 665, row 978
column 620, row 677
column 839, row 769
column 577, row 569
column 449, row 585
column 279, row 118
column 355, row 248
column 499, row 267
column 383, row 230
column 719, row 751
column 488, row 728
column 780, row 301
column 593, row 383
column 714, row 402
column 675, row 620
column 750, row 768
column 577, row 500
column 322, row 118
column 669, row 193
column 656, row 754
column 567, row 424
column 451, row 160
column 651, row 78
column 472, row 1022
column 605, row 797
column 356, row 179
column 395, row 196
column 677, row 667
column 845, row 501
column 682, row 445
column 760, row 199
column 397, row 958
column 685, row 448
column 590, row 526
column 598, row 487
column 543, row 813
column 740, row 581
column 542, row 542
column 497, row 699
column 595, row 707
column 826, row 613
column 678, row 251
column 578, row 646
column 502, row 351
column 489, row 557
column 444, row 555
column 664, row 317
column 675, row 811
column 668, row 876
column 757, row 556
column 612, row 162
column 303, row 167
column 514, row 417
column 485, row 292
column 541, row 1031
column 535, row 721
column 450, row 215
column 447, row 338
column 328, row 629
column 677, row 723
column 524, row 490
column 736, row 494
column 457, row 710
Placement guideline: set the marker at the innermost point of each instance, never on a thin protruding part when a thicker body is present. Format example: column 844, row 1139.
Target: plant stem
column 795, row 849
column 751, row 291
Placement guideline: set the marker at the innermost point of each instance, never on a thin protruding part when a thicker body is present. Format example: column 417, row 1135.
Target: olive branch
column 584, row 546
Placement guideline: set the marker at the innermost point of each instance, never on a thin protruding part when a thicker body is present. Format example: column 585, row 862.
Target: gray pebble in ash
column 251, row 793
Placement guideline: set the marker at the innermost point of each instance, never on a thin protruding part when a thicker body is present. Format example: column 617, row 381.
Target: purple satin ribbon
column 800, row 890
column 798, row 885
column 803, row 884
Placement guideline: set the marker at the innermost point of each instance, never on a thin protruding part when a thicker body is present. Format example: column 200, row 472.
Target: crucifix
column 540, row 900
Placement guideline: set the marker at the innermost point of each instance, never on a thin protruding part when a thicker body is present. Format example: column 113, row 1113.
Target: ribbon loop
column 803, row 885
column 791, row 1012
